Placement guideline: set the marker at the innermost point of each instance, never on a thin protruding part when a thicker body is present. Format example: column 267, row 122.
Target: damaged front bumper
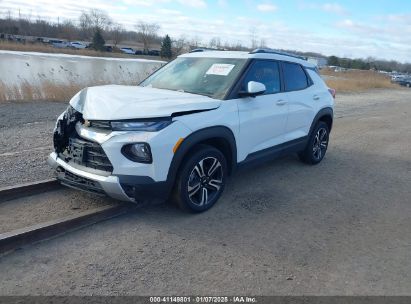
column 86, row 181
column 127, row 188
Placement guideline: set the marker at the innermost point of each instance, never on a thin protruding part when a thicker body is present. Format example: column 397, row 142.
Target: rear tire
column 317, row 145
column 201, row 179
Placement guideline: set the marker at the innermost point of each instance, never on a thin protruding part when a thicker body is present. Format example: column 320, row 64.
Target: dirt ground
column 45, row 207
column 26, row 140
column 340, row 228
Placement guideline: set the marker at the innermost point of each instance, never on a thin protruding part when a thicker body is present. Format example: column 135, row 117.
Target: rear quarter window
column 294, row 77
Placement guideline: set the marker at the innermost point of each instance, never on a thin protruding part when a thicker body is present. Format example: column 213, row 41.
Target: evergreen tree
column 166, row 48
column 333, row 60
column 98, row 41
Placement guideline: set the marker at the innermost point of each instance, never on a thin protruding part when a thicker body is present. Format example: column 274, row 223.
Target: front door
column 262, row 118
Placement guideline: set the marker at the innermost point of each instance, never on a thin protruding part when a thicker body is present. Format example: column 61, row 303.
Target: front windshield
column 212, row 77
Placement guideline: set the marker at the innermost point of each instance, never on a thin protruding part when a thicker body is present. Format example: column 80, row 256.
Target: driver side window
column 264, row 71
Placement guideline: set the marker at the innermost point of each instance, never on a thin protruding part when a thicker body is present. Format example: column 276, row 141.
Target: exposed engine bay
column 65, row 128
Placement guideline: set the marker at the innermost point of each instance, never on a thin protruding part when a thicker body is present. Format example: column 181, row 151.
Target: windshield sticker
column 221, row 69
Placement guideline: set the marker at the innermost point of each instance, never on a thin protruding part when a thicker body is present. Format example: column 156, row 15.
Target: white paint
column 113, row 102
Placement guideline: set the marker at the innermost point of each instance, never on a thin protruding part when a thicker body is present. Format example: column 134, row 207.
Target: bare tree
column 93, row 20
column 263, row 43
column 253, row 37
column 68, row 30
column 100, row 19
column 215, row 43
column 195, row 42
column 117, row 31
column 180, row 46
column 85, row 25
column 148, row 33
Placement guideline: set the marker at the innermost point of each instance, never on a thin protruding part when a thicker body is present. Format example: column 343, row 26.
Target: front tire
column 201, row 179
column 317, row 144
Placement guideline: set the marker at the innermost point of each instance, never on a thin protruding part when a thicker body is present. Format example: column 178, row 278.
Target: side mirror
column 254, row 89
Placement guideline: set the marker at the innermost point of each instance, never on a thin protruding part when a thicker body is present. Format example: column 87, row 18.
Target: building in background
column 320, row 62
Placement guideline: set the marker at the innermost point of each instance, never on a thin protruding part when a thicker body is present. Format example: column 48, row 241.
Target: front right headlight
column 138, row 152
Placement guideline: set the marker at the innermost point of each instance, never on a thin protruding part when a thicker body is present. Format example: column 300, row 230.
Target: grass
column 46, row 48
column 357, row 81
column 44, row 91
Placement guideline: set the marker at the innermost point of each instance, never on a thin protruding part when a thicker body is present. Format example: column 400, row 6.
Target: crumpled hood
column 114, row 102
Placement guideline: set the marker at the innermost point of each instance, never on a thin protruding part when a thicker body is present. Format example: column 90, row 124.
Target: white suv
column 188, row 126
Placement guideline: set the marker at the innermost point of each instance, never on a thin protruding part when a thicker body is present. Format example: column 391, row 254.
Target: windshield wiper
column 197, row 93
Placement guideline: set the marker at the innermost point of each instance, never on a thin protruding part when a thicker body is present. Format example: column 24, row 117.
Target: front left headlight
column 146, row 125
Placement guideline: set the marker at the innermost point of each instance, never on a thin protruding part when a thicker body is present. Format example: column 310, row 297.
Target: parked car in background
column 154, row 53
column 138, row 52
column 405, row 81
column 77, row 45
column 59, row 43
column 401, row 79
column 127, row 50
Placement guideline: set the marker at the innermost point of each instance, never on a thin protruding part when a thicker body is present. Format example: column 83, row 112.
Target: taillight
column 332, row 92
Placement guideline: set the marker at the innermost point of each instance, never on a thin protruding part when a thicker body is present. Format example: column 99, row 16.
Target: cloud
column 222, row 3
column 193, row 3
column 334, row 8
column 266, row 7
column 165, row 11
column 138, row 2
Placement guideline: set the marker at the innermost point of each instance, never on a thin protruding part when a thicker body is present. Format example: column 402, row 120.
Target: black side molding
column 272, row 153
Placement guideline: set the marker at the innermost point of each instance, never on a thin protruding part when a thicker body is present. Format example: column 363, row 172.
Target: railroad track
column 18, row 238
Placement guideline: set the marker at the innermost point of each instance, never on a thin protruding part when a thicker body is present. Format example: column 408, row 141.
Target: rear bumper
column 122, row 187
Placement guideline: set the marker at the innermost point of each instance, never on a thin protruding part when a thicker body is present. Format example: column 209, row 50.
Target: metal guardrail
column 28, row 189
column 12, row 240
column 15, row 239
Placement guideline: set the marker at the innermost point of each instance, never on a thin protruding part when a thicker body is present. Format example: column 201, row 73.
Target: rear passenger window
column 294, row 77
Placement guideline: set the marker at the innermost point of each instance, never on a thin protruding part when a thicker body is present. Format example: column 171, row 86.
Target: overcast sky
column 351, row 28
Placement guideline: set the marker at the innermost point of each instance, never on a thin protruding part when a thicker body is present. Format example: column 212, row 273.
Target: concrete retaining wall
column 22, row 70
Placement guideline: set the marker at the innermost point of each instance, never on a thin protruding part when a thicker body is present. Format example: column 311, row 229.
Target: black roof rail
column 271, row 51
column 197, row 50
column 204, row 50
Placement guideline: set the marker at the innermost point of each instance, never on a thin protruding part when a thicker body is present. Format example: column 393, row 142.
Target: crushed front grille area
column 88, row 154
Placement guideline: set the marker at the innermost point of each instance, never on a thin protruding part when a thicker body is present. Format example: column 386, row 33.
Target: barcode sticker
column 221, row 69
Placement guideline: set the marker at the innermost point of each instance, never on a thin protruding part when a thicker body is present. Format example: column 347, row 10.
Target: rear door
column 301, row 100
column 262, row 118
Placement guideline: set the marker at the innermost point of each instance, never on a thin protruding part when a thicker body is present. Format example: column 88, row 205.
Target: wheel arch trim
column 328, row 111
column 195, row 138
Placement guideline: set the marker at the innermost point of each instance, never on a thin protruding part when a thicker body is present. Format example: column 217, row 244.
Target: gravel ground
column 26, row 140
column 41, row 208
column 340, row 228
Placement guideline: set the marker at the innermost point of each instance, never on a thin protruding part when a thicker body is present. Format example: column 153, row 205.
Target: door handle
column 281, row 102
column 316, row 97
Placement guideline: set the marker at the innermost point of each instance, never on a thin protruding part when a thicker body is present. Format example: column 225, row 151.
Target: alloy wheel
column 205, row 181
column 320, row 144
